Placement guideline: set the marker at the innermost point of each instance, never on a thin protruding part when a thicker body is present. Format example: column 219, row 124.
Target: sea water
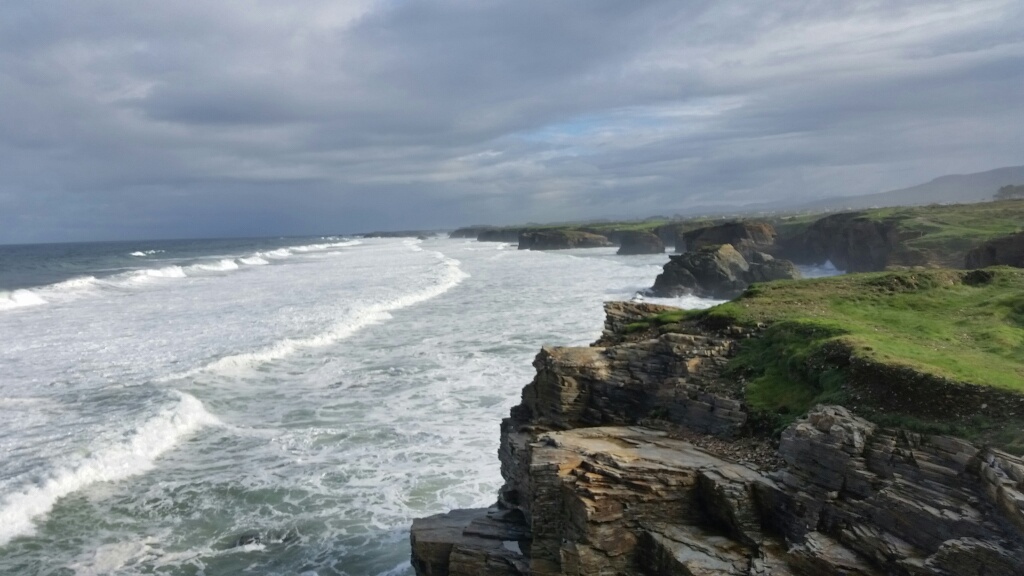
column 272, row 406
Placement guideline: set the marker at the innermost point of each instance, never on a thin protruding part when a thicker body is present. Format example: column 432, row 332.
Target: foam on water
column 142, row 277
column 224, row 265
column 134, row 456
column 446, row 275
column 10, row 300
column 356, row 392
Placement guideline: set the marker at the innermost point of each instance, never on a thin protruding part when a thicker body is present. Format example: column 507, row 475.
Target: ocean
column 268, row 406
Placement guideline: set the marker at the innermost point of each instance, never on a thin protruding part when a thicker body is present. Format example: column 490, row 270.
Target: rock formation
column 633, row 457
column 853, row 242
column 469, row 231
column 1005, row 251
column 639, row 242
column 718, row 272
column 510, row 235
column 559, row 239
column 746, row 237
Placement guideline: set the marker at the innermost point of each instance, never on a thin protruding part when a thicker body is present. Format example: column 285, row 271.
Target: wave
column 134, row 456
column 142, row 253
column 320, row 247
column 10, row 300
column 254, row 261
column 40, row 295
column 225, row 265
column 448, row 275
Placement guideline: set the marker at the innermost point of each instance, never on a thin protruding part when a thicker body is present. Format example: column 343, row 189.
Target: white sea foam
column 19, row 299
column 224, row 265
column 254, row 261
column 447, row 275
column 279, row 253
column 320, row 247
column 138, row 276
column 134, row 456
column 142, row 253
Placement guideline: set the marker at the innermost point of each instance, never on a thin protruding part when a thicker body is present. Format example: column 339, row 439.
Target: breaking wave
column 135, row 455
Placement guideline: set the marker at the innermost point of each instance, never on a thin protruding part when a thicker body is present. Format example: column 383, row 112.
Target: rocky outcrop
column 510, row 235
column 607, row 472
column 1005, row 251
column 638, row 242
column 746, row 237
column 560, row 240
column 855, row 243
column 469, row 231
column 718, row 272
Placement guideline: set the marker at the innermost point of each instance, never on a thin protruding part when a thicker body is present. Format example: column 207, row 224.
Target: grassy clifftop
column 941, row 346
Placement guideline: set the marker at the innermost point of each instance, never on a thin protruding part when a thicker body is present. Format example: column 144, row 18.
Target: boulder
column 712, row 272
column 745, row 236
column 560, row 240
column 1005, row 251
column 638, row 242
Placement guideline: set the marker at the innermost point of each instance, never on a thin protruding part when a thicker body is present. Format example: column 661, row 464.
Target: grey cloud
column 125, row 119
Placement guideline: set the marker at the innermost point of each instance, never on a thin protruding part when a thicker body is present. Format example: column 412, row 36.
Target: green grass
column 956, row 326
column 943, row 233
column 931, row 321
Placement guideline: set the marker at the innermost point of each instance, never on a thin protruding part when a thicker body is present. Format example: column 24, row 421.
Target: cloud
column 124, row 119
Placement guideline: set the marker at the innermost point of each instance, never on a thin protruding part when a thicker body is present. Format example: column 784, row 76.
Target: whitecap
column 19, row 299
column 19, row 510
column 448, row 274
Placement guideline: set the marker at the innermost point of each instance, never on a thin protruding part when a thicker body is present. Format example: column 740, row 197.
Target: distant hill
column 955, row 188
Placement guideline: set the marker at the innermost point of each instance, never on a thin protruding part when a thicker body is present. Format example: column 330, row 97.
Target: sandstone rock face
column 1005, row 251
column 636, row 242
column 588, row 491
column 718, row 272
column 747, row 237
column 560, row 240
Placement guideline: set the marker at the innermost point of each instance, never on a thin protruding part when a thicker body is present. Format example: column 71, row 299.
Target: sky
column 131, row 119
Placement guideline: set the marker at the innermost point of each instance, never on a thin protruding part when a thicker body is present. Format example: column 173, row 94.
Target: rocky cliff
column 559, row 239
column 747, row 236
column 853, row 242
column 638, row 457
column 639, row 242
column 1004, row 251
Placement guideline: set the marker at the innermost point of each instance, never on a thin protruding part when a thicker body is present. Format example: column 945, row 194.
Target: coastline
column 595, row 482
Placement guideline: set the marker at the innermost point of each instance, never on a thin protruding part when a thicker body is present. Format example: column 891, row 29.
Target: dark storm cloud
column 134, row 119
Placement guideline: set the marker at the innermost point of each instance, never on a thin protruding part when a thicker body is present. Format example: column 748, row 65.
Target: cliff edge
column 645, row 455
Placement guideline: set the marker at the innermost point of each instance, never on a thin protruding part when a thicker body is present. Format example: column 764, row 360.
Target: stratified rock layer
column 589, row 490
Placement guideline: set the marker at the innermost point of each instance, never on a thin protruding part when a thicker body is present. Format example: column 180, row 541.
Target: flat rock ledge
column 588, row 491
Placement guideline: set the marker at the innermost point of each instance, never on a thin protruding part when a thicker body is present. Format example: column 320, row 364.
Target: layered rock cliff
column 638, row 457
column 559, row 239
column 854, row 242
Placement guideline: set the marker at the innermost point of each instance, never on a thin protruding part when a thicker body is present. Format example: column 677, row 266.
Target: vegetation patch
column 934, row 349
column 943, row 233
